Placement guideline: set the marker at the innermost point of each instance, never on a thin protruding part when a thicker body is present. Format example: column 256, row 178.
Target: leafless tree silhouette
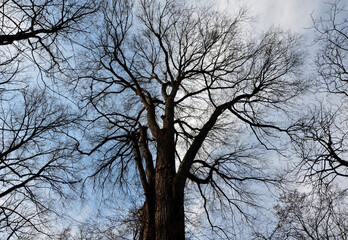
column 35, row 154
column 183, row 100
column 323, row 142
column 315, row 215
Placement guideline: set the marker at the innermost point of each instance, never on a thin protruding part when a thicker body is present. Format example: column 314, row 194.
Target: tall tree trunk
column 169, row 209
column 169, row 215
column 147, row 215
column 169, row 200
column 179, row 215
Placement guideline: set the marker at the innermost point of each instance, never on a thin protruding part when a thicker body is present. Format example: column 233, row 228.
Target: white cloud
column 291, row 14
column 287, row 14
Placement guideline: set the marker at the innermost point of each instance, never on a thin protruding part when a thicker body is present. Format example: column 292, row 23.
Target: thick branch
column 23, row 183
column 150, row 170
column 334, row 154
column 138, row 160
column 199, row 139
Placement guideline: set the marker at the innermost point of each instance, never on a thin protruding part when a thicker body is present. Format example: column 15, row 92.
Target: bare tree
column 332, row 35
column 104, row 228
column 316, row 215
column 323, row 142
column 182, row 100
column 36, row 159
column 34, row 27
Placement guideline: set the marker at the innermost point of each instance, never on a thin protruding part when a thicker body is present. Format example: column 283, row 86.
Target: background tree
column 181, row 100
column 314, row 215
column 323, row 143
column 35, row 154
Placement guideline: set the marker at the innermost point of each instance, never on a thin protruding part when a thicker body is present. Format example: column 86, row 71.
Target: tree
column 323, row 142
column 316, row 215
column 35, row 154
column 35, row 159
column 176, row 98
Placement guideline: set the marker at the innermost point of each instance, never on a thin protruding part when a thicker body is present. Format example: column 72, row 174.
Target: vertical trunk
column 169, row 211
column 179, row 215
column 164, row 216
column 147, row 215
column 169, row 216
column 168, row 207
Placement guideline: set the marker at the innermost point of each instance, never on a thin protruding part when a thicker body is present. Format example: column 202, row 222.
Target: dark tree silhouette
column 35, row 154
column 315, row 215
column 323, row 142
column 176, row 98
column 35, row 159
column 332, row 35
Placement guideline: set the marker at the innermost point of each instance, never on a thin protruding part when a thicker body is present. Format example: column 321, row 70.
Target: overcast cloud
column 286, row 14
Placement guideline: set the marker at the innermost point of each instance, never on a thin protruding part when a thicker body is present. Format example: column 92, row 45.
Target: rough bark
column 169, row 215
column 169, row 211
column 162, row 215
column 147, row 216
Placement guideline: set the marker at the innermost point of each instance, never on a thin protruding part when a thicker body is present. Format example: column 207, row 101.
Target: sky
column 292, row 15
column 287, row 14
